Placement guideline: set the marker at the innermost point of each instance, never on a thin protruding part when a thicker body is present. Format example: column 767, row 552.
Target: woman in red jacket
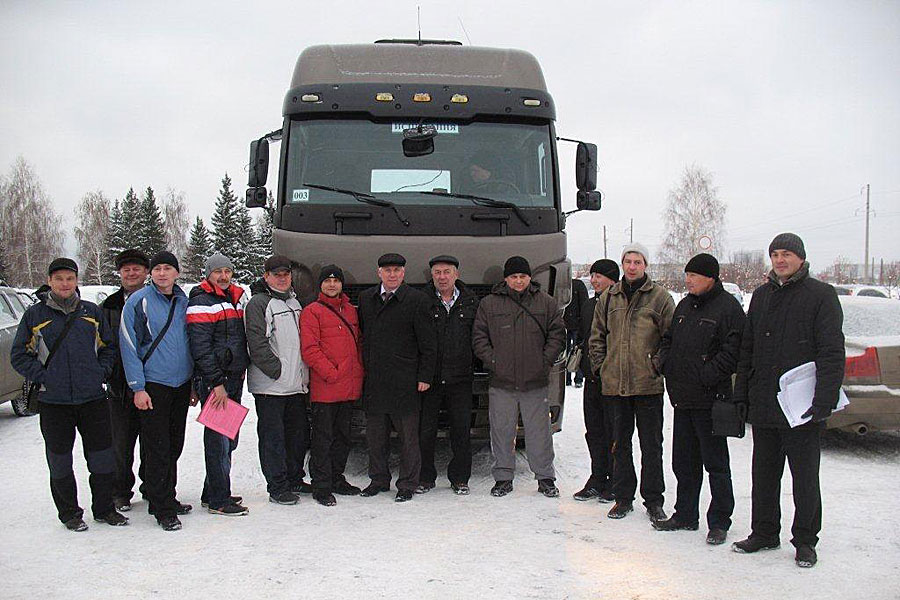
column 331, row 346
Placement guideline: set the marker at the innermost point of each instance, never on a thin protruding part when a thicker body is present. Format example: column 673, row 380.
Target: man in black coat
column 399, row 357
column 598, row 414
column 698, row 355
column 125, row 419
column 793, row 320
column 453, row 308
column 572, row 319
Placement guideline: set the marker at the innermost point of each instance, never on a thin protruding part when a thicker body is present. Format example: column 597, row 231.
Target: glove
column 818, row 413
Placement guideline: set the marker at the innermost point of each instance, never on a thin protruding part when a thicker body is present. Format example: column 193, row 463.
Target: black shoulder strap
column 341, row 317
column 161, row 333
column 62, row 334
column 530, row 314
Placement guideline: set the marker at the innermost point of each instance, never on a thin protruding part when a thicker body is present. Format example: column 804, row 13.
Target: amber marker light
column 422, row 97
column 384, row 97
column 459, row 99
column 531, row 102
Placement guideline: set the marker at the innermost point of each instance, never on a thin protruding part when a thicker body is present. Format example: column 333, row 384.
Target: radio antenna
column 464, row 30
column 419, row 20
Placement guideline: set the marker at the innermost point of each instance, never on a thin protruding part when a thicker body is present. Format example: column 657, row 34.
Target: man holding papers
column 215, row 319
column 793, row 319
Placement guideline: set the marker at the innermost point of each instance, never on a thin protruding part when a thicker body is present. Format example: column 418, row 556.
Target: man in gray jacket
column 518, row 335
column 278, row 379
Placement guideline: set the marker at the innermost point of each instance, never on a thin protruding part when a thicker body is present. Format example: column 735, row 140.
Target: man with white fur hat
column 628, row 326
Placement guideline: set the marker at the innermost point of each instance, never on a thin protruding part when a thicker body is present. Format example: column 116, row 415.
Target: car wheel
column 20, row 403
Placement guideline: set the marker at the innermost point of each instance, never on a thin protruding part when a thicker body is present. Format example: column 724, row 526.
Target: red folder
column 226, row 420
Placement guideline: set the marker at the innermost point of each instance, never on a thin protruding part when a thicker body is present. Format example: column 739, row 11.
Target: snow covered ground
column 441, row 545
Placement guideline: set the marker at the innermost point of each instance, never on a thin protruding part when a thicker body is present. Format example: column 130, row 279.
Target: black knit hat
column 516, row 264
column 164, row 258
column 790, row 242
column 391, row 259
column 703, row 264
column 330, row 271
column 132, row 256
column 607, row 268
column 61, row 263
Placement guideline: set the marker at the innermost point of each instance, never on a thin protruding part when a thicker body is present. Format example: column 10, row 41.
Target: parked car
column 856, row 289
column 12, row 385
column 734, row 290
column 872, row 372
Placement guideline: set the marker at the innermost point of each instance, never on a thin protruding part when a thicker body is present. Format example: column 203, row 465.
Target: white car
column 734, row 290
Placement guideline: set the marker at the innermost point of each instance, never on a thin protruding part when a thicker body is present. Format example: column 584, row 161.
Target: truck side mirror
column 588, row 200
column 259, row 163
column 586, row 167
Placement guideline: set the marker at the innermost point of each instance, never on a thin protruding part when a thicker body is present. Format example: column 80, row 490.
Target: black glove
column 818, row 413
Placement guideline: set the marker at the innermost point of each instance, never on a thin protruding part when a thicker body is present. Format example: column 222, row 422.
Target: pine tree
column 225, row 233
column 245, row 254
column 152, row 233
column 130, row 230
column 263, row 234
column 199, row 249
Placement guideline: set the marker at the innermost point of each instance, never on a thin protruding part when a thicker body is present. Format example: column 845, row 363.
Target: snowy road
column 441, row 545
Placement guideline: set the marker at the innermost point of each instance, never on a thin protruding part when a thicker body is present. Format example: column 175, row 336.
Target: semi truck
column 422, row 147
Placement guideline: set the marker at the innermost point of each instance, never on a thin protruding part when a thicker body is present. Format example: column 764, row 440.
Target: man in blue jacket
column 158, row 367
column 215, row 318
column 71, row 394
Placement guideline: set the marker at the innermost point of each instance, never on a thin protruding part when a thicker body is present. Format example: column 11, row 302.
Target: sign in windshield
column 509, row 162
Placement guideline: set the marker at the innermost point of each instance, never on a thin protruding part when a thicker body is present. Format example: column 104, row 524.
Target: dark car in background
column 872, row 372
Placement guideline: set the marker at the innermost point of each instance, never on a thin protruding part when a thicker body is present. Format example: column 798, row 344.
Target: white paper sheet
column 798, row 387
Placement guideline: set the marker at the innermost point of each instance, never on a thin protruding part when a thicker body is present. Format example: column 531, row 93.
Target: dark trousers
column 571, row 339
column 217, row 449
column 801, row 448
column 457, row 397
column 378, row 437
column 693, row 448
column 647, row 411
column 125, row 422
column 162, row 440
column 598, row 433
column 283, row 431
column 58, row 425
column 330, row 443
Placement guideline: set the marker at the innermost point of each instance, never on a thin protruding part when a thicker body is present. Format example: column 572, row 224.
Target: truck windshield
column 509, row 162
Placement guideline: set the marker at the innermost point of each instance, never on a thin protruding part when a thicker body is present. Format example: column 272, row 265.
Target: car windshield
column 510, row 162
column 869, row 317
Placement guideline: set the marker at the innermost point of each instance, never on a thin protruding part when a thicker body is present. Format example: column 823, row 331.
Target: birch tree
column 694, row 219
column 92, row 223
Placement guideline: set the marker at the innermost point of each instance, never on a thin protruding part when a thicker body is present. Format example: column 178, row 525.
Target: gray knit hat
column 217, row 261
column 790, row 242
column 639, row 248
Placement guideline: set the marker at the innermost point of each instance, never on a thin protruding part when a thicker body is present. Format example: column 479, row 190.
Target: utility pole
column 604, row 241
column 867, row 234
column 631, row 236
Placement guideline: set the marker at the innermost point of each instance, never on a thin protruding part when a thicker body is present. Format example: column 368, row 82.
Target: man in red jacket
column 330, row 344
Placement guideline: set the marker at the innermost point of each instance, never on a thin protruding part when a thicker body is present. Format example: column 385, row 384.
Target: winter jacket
column 116, row 387
column 143, row 316
column 789, row 325
column 585, row 320
column 83, row 361
column 699, row 353
column 215, row 324
column 513, row 347
column 454, row 334
column 572, row 314
column 399, row 348
column 272, row 320
column 624, row 336
column 332, row 350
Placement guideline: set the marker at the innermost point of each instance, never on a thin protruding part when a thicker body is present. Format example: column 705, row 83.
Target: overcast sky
column 793, row 106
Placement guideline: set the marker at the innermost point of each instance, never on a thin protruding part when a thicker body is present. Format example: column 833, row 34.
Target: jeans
column 217, row 450
column 647, row 411
column 330, row 443
column 283, row 430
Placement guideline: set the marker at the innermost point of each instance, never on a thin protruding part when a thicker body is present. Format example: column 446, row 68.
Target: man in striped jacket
column 215, row 319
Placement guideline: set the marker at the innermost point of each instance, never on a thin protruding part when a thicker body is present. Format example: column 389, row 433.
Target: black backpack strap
column 531, row 314
column 341, row 317
column 161, row 333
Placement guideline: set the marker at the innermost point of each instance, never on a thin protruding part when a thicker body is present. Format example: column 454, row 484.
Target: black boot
column 620, row 509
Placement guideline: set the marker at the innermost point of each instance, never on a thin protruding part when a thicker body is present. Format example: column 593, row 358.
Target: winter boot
column 620, row 509
column 755, row 543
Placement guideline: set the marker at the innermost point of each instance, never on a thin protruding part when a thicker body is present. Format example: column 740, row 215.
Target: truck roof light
column 384, row 97
column 422, row 97
column 459, row 99
column 531, row 102
column 309, row 97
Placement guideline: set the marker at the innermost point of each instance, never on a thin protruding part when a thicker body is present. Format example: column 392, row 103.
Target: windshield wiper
column 484, row 201
column 362, row 197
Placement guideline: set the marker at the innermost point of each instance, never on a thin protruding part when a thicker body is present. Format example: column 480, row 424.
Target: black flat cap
column 445, row 259
column 61, row 263
column 391, row 259
column 277, row 263
column 132, row 256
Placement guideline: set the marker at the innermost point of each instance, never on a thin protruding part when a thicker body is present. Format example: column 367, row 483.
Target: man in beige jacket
column 630, row 319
